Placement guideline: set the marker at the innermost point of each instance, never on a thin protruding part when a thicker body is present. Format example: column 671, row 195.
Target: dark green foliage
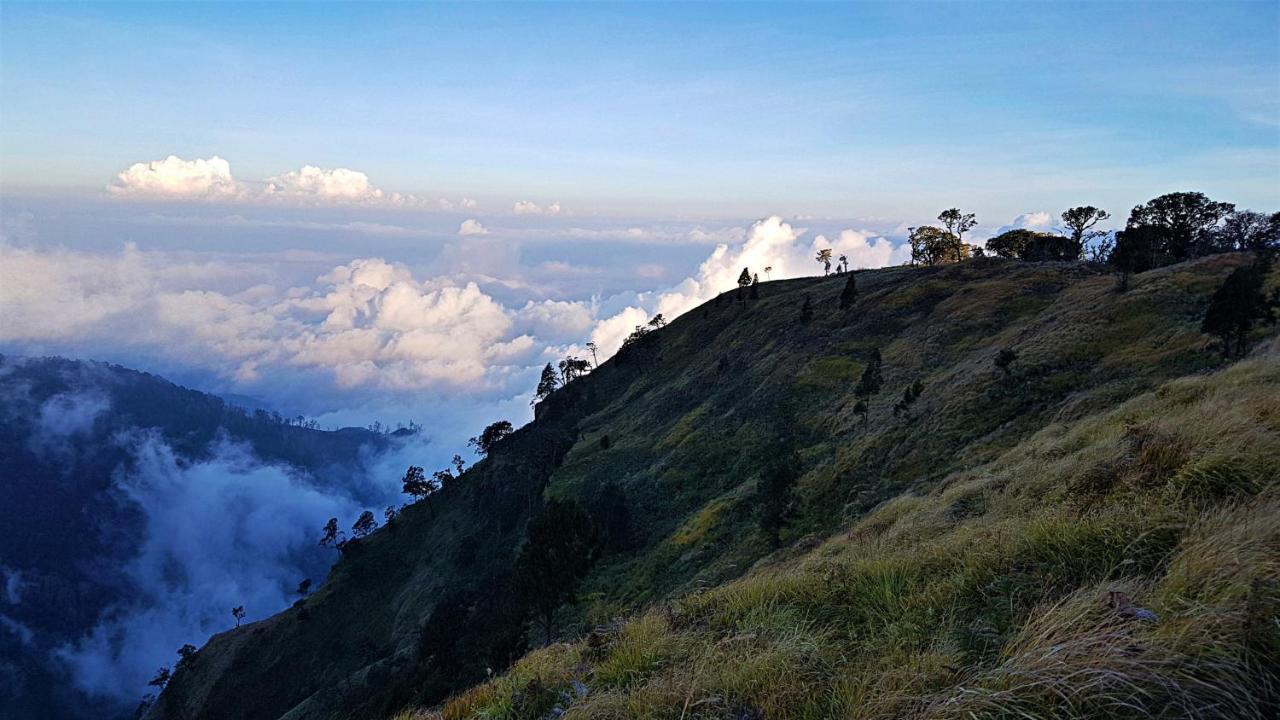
column 415, row 483
column 745, row 278
column 1080, row 221
column 558, row 550
column 331, row 536
column 1024, row 244
column 1248, row 230
column 1138, row 249
column 806, row 311
column 1004, row 359
column 933, row 246
column 490, row 436
column 869, row 383
column 957, row 224
column 1012, row 244
column 364, row 525
column 1236, row 305
column 547, row 384
column 611, row 513
column 754, row 289
column 779, row 468
column 850, row 292
column 1182, row 225
column 909, row 396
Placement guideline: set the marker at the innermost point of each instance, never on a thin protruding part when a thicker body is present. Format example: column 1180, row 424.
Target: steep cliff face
column 678, row 426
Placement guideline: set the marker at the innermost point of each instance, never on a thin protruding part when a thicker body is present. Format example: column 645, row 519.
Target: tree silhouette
column 161, row 678
column 1080, row 221
column 843, row 265
column 490, row 436
column 745, row 278
column 1183, row 224
column 331, row 536
column 850, row 292
column 547, row 384
column 779, row 468
column 754, row 288
column 957, row 224
column 824, row 257
column 595, row 359
column 364, row 525
column 1236, row 305
column 415, row 483
column 186, row 655
column 237, row 612
column 1248, row 230
column 557, row 553
column 572, row 368
column 304, row 587
column 909, row 396
column 931, row 246
column 1004, row 359
column 389, row 515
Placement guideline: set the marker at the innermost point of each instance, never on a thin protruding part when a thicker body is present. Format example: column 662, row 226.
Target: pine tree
column 745, row 278
column 557, row 553
column 779, row 469
column 547, row 384
column 850, row 292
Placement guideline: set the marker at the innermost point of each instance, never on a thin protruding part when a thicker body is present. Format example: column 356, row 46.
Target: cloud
column 175, row 178
column 528, row 207
column 472, row 227
column 1040, row 221
column 339, row 185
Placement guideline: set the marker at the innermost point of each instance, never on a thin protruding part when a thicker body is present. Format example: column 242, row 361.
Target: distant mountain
column 89, row 454
column 985, row 489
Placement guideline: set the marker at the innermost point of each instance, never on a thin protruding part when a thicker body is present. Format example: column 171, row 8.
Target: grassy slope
column 1003, row 495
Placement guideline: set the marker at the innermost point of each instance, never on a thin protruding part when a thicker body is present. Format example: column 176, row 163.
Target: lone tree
column 161, row 678
column 556, row 555
column 331, row 536
column 490, row 436
column 933, row 246
column 1080, row 221
column 364, row 525
column 237, row 612
column 850, row 292
column 824, row 257
column 806, row 311
column 779, row 469
column 547, row 384
column 843, row 265
column 595, row 359
column 957, row 223
column 1236, row 305
column 186, row 655
column 909, row 396
column 1004, row 359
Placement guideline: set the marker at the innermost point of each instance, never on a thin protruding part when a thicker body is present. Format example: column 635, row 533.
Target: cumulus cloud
column 1039, row 221
column 175, row 178
column 472, row 227
column 528, row 207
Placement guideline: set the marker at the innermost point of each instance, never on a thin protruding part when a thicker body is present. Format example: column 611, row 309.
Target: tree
column 1004, row 359
column 1080, row 221
column 186, row 655
column 415, row 483
column 1248, row 230
column 595, row 359
column 850, row 292
column 364, row 525
column 1236, row 305
column 1138, row 249
column 931, row 246
column 161, row 678
column 957, row 224
column 767, row 270
column 658, row 321
column 304, row 587
column 754, row 288
column 490, row 436
column 390, row 514
column 806, row 311
column 572, row 368
column 458, row 464
column 546, row 385
column 1046, row 247
column 869, row 384
column 745, row 278
column 1184, row 223
column 779, row 469
column 1011, row 244
column 824, row 257
column 909, row 396
column 843, row 265
column 604, row 442
column 557, row 552
column 331, row 536
column 237, row 612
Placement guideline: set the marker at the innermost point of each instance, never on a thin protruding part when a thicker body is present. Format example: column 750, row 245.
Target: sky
column 388, row 212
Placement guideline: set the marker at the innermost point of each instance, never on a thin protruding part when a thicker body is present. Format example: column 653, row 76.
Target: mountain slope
column 691, row 415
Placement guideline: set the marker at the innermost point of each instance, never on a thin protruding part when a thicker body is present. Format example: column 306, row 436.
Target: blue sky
column 882, row 109
column 362, row 211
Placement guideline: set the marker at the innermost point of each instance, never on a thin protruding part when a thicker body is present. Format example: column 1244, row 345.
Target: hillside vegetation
column 1088, row 528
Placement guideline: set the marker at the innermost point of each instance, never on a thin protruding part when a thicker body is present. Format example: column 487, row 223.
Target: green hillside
column 1091, row 530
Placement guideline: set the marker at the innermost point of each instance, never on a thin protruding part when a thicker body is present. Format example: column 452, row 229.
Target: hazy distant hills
column 953, row 494
column 90, row 456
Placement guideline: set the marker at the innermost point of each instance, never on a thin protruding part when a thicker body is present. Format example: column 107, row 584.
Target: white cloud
column 175, row 178
column 1040, row 221
column 339, row 184
column 472, row 227
column 528, row 207
column 468, row 203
